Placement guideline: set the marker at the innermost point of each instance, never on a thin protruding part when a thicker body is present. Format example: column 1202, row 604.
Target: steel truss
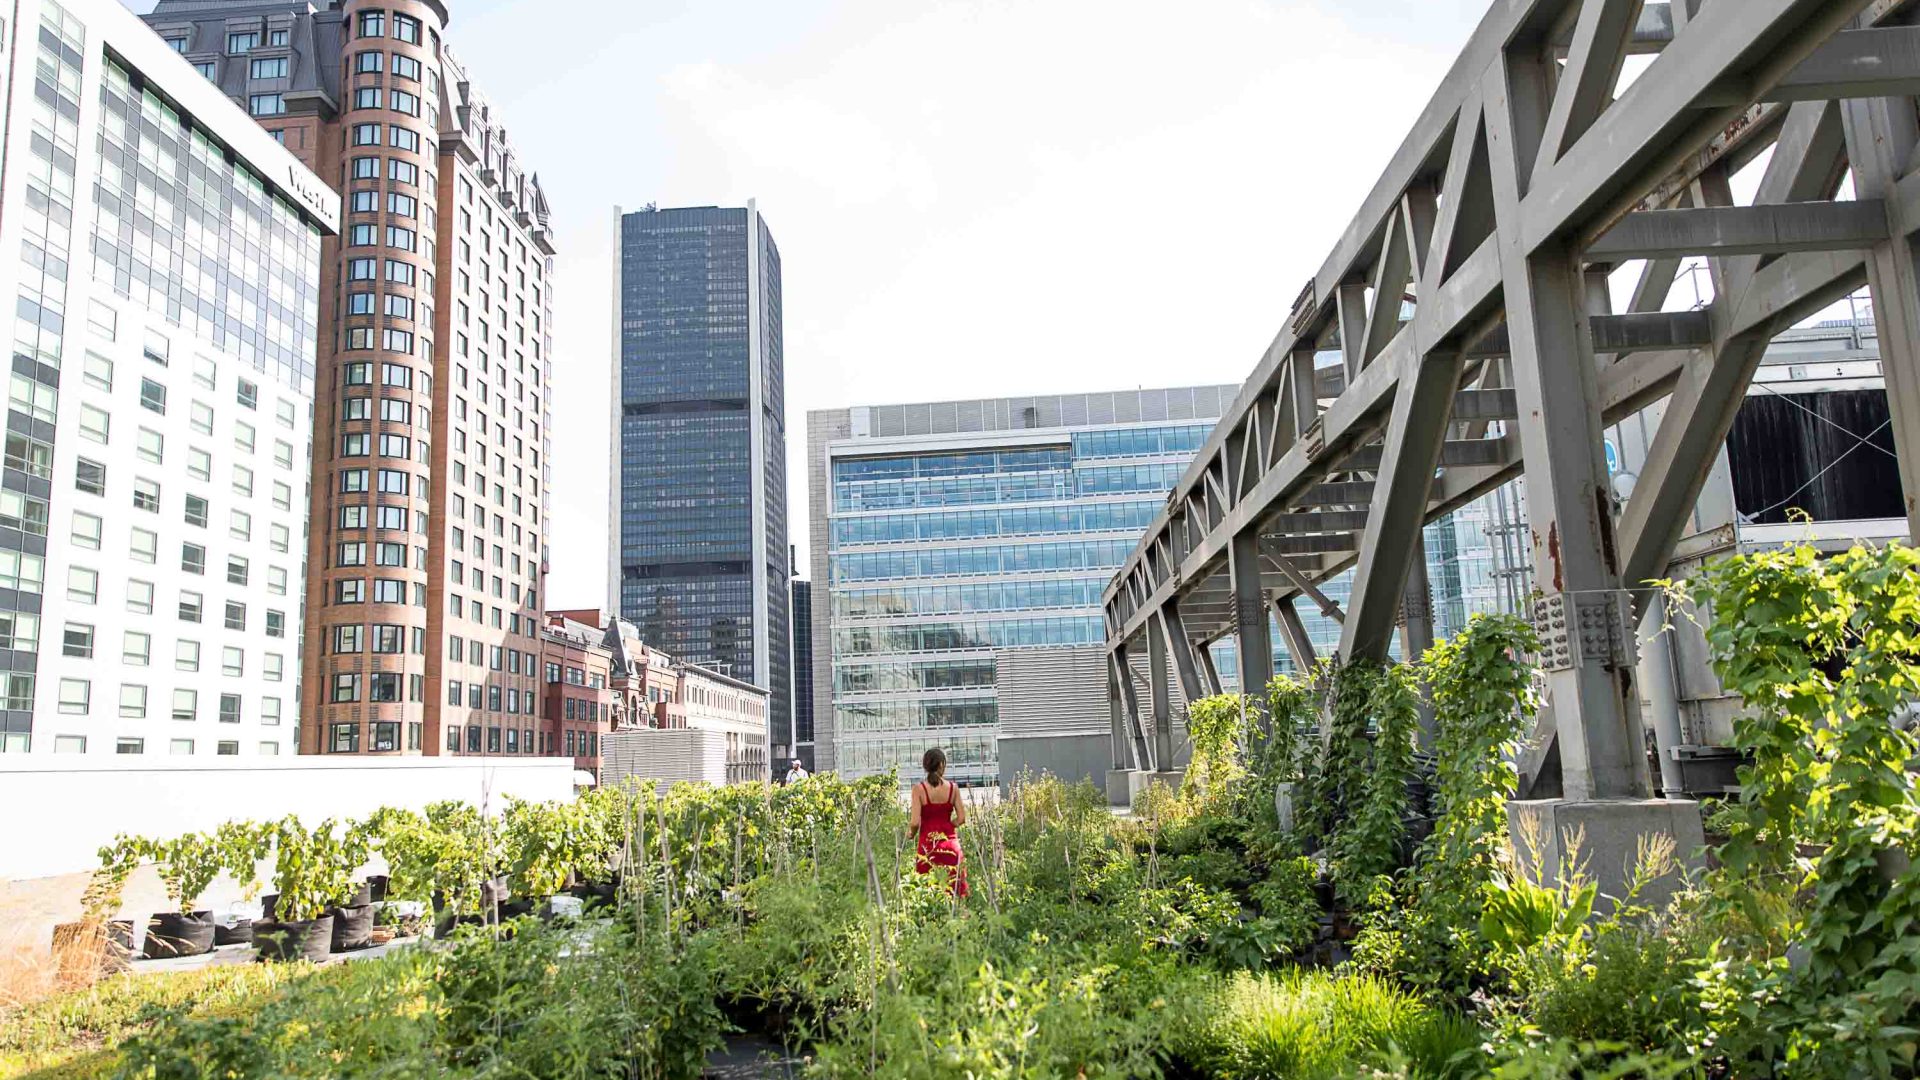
column 1472, row 287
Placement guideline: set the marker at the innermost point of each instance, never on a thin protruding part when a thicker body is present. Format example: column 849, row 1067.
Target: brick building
column 577, row 702
column 426, row 551
column 647, row 690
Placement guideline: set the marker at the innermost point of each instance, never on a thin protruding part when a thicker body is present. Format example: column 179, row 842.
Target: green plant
column 1367, row 775
column 1312, row 1025
column 1825, row 651
column 187, row 864
column 108, row 883
column 312, row 868
column 239, row 846
column 1218, row 727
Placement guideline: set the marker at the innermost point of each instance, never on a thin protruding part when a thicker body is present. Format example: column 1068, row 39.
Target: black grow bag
column 352, row 927
column 240, row 933
column 171, row 934
column 306, row 939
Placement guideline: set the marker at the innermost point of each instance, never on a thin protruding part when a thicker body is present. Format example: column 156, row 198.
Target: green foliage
column 1369, row 761
column 187, row 865
column 78, row 1032
column 1483, row 700
column 1826, row 652
column 239, row 847
column 312, row 868
column 1310, row 1025
column 1219, row 727
column 118, row 861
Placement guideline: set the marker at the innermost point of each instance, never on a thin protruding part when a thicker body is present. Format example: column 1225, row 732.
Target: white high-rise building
column 162, row 253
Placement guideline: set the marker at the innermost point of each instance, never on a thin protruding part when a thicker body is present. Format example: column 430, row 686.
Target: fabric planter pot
column 267, row 903
column 308, row 939
column 376, row 888
column 240, row 933
column 352, row 927
column 171, row 934
column 514, row 909
column 594, row 893
column 362, row 896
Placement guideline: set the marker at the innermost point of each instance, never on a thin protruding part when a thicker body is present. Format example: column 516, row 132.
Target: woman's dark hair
column 935, row 762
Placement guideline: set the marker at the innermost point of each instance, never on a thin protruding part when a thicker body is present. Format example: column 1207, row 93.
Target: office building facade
column 427, row 550
column 698, row 557
column 946, row 535
column 166, row 290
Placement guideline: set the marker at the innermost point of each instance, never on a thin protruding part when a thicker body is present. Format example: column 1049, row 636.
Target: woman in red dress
column 937, row 814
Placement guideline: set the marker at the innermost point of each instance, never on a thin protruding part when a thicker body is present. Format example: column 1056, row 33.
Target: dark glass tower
column 803, row 672
column 698, row 558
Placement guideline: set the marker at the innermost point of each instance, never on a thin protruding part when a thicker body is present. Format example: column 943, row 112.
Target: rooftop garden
column 1389, row 931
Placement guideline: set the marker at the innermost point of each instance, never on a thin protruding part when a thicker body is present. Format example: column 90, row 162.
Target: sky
column 977, row 198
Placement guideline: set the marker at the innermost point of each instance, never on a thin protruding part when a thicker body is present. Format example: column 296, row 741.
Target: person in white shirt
column 795, row 772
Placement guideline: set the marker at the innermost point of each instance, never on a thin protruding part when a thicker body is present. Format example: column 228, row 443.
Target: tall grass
column 1309, row 1025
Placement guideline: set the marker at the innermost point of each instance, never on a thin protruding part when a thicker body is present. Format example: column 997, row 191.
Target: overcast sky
column 972, row 199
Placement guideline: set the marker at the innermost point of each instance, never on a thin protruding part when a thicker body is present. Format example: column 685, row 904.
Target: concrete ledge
column 1125, row 785
column 1603, row 838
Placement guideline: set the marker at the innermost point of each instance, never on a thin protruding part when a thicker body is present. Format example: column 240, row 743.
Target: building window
column 133, row 701
column 346, row 688
column 266, row 105
column 205, row 68
column 236, row 616
column 268, row 68
column 346, row 739
column 146, row 495
column 277, row 37
column 406, row 67
column 153, row 396
column 239, row 43
column 368, row 62
column 373, row 24
column 77, row 640
column 177, row 44
column 90, row 477
column 406, row 28
column 227, row 748
column 76, row 696
column 128, row 745
column 182, row 747
column 229, row 708
column 191, row 604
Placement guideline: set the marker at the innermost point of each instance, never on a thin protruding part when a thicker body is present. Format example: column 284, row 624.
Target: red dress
column 939, row 842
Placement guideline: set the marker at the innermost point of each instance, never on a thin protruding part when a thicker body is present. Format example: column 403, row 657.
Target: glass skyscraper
column 699, row 557
column 945, row 534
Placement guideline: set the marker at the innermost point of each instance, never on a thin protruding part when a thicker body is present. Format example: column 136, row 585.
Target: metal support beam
column 1401, row 489
column 1711, row 385
column 1743, row 230
column 1250, row 615
column 1209, row 673
column 1120, row 674
column 1569, row 503
column 1160, row 749
column 1868, row 63
column 1642, row 331
column 1299, row 645
column 1881, row 140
